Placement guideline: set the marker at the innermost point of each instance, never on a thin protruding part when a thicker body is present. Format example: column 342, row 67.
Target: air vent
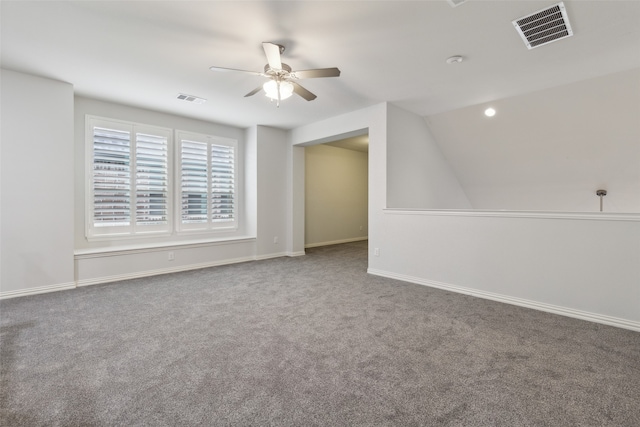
column 191, row 98
column 544, row 26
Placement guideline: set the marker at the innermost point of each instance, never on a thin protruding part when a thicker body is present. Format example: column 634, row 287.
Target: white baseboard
column 138, row 274
column 549, row 308
column 147, row 273
column 37, row 290
column 271, row 256
column 298, row 253
column 336, row 242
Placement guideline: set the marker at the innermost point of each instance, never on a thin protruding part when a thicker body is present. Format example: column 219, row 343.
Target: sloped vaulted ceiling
column 551, row 149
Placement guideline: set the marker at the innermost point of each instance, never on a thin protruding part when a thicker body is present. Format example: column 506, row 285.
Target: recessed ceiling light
column 455, row 59
column 489, row 112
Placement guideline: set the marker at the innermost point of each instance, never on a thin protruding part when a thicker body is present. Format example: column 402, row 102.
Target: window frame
column 210, row 225
column 133, row 230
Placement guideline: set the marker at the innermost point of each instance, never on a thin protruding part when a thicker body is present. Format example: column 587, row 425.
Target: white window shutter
column 222, row 183
column 111, row 177
column 207, row 182
column 152, row 180
column 193, row 182
column 136, row 188
column 129, row 188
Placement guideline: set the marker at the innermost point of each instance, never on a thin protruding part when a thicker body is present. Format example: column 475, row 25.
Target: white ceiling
column 355, row 143
column 143, row 53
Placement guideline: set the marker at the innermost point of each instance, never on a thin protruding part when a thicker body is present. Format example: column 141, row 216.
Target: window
column 207, row 182
column 138, row 185
column 129, row 191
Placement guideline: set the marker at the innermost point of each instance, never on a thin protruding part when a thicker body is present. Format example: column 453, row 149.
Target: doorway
column 336, row 192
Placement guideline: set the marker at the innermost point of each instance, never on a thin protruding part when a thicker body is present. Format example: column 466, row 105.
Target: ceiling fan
column 282, row 81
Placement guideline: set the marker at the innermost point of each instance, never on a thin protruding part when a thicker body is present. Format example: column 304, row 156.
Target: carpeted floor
column 305, row 341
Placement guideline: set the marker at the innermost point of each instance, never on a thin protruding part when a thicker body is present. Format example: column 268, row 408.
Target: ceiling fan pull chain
column 278, row 103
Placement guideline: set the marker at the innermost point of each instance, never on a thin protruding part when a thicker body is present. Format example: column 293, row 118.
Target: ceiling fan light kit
column 282, row 80
column 278, row 90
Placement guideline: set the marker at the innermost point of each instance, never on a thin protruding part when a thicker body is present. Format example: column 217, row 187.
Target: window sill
column 157, row 247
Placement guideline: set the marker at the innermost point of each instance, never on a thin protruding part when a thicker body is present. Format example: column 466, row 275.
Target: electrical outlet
column 171, row 256
column 376, row 251
column 275, row 240
column 360, row 228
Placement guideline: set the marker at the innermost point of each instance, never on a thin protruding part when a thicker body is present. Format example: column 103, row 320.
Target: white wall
column 86, row 106
column 295, row 200
column 371, row 121
column 263, row 178
column 586, row 267
column 336, row 208
column 109, row 260
column 418, row 175
column 550, row 150
column 37, row 179
column 581, row 266
column 272, row 183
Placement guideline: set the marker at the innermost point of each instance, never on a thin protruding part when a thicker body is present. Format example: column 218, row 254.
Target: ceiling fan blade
column 253, row 92
column 303, row 92
column 233, row 69
column 273, row 55
column 319, row 72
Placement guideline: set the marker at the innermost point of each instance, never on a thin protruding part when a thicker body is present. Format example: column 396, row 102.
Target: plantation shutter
column 152, row 180
column 129, row 187
column 222, row 183
column 194, row 182
column 111, row 177
column 207, row 182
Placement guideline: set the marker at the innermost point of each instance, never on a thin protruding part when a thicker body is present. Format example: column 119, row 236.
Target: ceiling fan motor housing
column 286, row 69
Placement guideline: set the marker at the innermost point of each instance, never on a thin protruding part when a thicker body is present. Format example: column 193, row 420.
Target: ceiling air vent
column 191, row 98
column 544, row 26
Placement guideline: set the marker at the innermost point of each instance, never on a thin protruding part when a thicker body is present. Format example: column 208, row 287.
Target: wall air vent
column 544, row 26
column 191, row 98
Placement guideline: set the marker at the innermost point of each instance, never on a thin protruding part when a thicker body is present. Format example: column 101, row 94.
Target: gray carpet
column 305, row 341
